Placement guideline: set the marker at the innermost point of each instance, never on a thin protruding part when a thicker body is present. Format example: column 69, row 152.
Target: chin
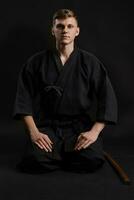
column 65, row 42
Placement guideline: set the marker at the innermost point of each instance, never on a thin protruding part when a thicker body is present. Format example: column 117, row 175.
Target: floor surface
column 104, row 184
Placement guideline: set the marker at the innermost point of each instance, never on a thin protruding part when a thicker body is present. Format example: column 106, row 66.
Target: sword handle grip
column 124, row 177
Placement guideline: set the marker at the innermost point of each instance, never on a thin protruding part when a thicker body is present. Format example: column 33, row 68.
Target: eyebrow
column 64, row 25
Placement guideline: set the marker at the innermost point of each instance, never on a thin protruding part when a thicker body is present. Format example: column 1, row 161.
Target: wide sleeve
column 107, row 110
column 24, row 93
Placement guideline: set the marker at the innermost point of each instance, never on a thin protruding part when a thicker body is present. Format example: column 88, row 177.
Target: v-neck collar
column 63, row 71
column 60, row 82
column 59, row 63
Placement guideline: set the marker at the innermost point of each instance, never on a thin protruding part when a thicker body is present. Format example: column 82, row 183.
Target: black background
column 106, row 30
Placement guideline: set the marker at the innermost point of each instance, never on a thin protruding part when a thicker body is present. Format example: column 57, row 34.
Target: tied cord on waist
column 55, row 123
column 65, row 121
column 58, row 89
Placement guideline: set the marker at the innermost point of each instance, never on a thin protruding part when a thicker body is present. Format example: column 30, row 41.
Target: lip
column 64, row 36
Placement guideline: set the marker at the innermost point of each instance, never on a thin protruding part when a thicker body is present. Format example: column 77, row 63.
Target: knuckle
column 45, row 135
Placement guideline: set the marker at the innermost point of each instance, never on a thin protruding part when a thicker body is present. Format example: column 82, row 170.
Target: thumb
column 79, row 137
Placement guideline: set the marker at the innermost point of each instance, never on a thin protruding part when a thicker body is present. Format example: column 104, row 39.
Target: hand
column 85, row 139
column 42, row 140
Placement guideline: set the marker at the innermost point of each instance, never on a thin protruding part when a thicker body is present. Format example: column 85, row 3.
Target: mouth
column 64, row 36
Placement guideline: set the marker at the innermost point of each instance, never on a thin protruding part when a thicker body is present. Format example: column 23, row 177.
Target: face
column 65, row 30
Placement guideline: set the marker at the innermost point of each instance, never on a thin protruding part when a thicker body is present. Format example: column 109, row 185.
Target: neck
column 65, row 50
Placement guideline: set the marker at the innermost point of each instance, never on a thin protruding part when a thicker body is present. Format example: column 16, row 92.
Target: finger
column 86, row 145
column 38, row 144
column 80, row 139
column 77, row 144
column 46, row 136
column 45, row 144
column 82, row 135
column 83, row 146
column 49, row 139
column 80, row 143
column 45, row 141
column 77, row 141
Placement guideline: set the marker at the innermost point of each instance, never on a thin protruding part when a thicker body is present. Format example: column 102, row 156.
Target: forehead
column 69, row 20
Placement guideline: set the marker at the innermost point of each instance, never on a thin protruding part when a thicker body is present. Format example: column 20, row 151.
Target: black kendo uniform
column 64, row 100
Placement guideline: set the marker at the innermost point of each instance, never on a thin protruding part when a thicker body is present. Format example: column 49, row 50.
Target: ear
column 77, row 31
column 52, row 31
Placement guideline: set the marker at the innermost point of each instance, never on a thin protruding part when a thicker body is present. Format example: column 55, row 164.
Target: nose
column 65, row 29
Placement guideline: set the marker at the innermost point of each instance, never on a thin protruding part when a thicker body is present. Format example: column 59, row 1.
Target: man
column 65, row 98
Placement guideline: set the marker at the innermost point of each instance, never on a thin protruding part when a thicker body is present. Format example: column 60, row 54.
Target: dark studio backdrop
column 106, row 30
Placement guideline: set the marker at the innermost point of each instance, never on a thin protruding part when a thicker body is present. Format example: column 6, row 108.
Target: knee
column 84, row 165
column 30, row 165
column 95, row 164
column 90, row 165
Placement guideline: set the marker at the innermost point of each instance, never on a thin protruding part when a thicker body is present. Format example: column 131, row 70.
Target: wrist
column 33, row 131
column 97, row 128
column 94, row 132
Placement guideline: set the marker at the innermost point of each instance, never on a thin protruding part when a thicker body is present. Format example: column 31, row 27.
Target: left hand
column 85, row 139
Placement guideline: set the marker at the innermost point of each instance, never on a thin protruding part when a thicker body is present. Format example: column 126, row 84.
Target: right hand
column 42, row 140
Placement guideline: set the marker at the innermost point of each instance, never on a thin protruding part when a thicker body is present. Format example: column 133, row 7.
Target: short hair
column 64, row 14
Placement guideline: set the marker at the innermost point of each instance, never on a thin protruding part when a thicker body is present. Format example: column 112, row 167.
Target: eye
column 60, row 26
column 70, row 26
